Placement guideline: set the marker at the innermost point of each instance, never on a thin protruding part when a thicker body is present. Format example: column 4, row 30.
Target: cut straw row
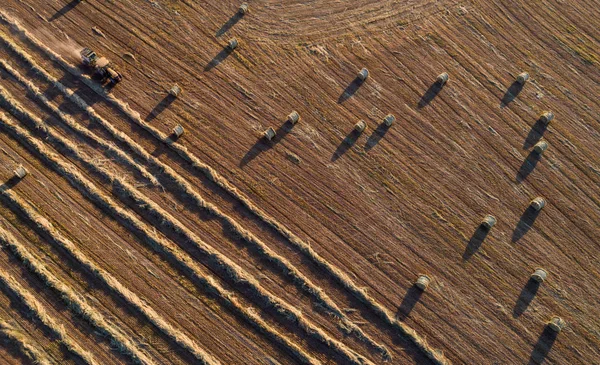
column 216, row 261
column 24, row 344
column 74, row 301
column 301, row 281
column 42, row 224
column 435, row 355
column 39, row 311
column 149, row 236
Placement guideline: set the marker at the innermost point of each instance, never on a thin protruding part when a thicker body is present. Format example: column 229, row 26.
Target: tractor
column 102, row 69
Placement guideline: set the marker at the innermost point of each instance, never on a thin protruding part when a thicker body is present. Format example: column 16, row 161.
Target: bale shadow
column 64, row 10
column 376, row 136
column 346, row 144
column 535, row 134
column 350, row 90
column 220, row 57
column 475, row 242
column 430, row 94
column 527, row 294
column 10, row 183
column 525, row 223
column 511, row 93
column 528, row 166
column 262, row 144
column 543, row 346
column 411, row 298
column 230, row 23
column 160, row 107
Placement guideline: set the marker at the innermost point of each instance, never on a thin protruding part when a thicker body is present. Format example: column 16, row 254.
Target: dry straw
column 132, row 223
column 24, row 343
column 288, row 269
column 73, row 175
column 74, row 301
column 435, row 355
column 216, row 260
column 39, row 312
column 111, row 149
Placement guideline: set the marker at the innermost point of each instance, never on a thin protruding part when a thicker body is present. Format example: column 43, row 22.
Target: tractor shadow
column 346, row 144
column 350, row 90
column 475, row 242
column 535, row 134
column 262, row 144
column 220, row 57
column 160, row 107
column 376, row 136
column 527, row 294
column 543, row 346
column 411, row 298
column 430, row 94
column 511, row 93
column 528, row 166
column 230, row 23
column 64, row 10
column 525, row 223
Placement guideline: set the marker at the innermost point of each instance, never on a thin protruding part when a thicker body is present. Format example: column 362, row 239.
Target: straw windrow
column 75, row 302
column 39, row 312
column 301, row 281
column 24, row 343
column 216, row 260
column 435, row 355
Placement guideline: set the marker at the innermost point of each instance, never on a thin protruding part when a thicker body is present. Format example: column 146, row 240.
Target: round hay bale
column 539, row 275
column 175, row 91
column 232, row 44
column 20, row 172
column 538, row 203
column 546, row 117
column 360, row 126
column 423, row 282
column 293, row 117
column 243, row 9
column 269, row 133
column 363, row 74
column 442, row 78
column 178, row 131
column 540, row 147
column 522, row 78
column 557, row 324
column 488, row 222
column 389, row 120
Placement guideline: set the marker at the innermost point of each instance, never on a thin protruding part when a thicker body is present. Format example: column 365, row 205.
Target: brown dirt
column 394, row 203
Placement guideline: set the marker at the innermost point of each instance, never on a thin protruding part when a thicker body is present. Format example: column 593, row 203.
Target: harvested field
column 127, row 244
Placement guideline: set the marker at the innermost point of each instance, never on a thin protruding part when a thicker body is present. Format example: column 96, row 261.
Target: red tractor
column 101, row 67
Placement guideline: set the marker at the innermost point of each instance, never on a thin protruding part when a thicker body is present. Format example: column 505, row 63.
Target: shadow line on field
column 528, row 166
column 511, row 93
column 230, row 23
column 527, row 294
column 350, row 90
column 376, row 136
column 411, row 298
column 430, row 94
column 535, row 133
column 160, row 107
column 525, row 222
column 346, row 144
column 475, row 242
column 64, row 10
column 262, row 144
column 220, row 57
column 543, row 346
